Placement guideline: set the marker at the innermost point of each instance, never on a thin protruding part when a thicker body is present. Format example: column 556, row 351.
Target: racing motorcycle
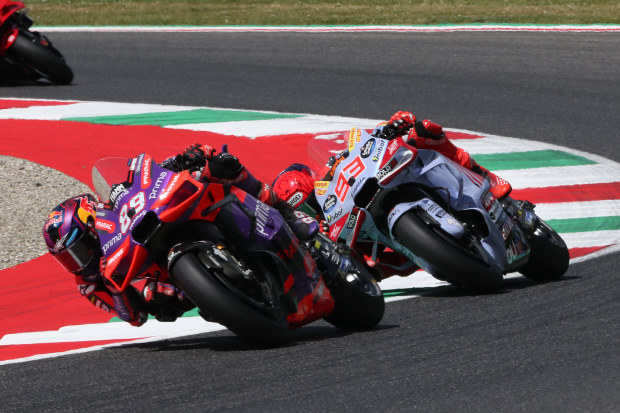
column 232, row 255
column 438, row 214
column 25, row 54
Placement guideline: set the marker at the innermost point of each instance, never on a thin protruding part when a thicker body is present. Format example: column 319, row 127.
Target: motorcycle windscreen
column 321, row 149
column 107, row 172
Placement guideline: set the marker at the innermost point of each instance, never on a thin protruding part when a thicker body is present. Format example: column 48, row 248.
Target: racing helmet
column 295, row 185
column 70, row 235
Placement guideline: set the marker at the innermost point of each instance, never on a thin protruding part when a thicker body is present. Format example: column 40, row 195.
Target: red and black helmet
column 70, row 235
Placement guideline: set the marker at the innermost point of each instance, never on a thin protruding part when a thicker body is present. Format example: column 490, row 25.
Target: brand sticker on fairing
column 368, row 147
column 117, row 192
column 262, row 218
column 158, row 182
column 296, row 199
column 447, row 222
column 329, row 204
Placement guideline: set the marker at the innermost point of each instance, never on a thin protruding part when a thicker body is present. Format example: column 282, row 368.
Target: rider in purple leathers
column 71, row 238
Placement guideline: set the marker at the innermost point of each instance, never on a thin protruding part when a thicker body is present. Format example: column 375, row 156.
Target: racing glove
column 224, row 166
column 193, row 158
column 427, row 129
column 402, row 122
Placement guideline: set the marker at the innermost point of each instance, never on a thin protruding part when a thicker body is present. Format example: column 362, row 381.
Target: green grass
column 320, row 12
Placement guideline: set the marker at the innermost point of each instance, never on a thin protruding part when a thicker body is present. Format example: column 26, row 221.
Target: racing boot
column 165, row 301
column 500, row 188
column 331, row 259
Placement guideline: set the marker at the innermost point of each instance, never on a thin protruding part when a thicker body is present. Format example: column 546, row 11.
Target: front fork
column 522, row 212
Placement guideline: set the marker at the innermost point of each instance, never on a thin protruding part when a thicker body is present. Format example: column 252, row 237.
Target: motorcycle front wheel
column 359, row 302
column 250, row 308
column 39, row 58
column 549, row 256
column 453, row 262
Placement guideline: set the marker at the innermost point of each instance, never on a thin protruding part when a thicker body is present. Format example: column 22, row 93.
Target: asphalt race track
column 531, row 348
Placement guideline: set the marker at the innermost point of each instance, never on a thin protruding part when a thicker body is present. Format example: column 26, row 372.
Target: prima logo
column 158, row 182
column 105, row 247
column 262, row 217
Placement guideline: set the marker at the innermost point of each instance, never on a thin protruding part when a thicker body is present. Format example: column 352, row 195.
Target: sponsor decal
column 116, row 256
column 158, row 182
column 379, row 154
column 296, row 199
column 384, row 171
column 337, row 161
column 515, row 250
column 136, row 219
column 117, row 191
column 506, row 228
column 355, row 136
column 54, row 219
column 351, row 220
column 320, row 187
column 139, row 163
column 488, row 200
column 368, row 147
column 330, row 203
column 335, row 216
column 105, row 225
column 262, row 218
column 392, row 147
column 166, row 192
column 434, row 142
column 146, row 173
column 450, row 220
column 105, row 247
column 132, row 167
column 335, row 231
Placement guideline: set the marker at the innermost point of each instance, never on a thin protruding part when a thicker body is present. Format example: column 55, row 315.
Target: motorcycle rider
column 71, row 238
column 295, row 184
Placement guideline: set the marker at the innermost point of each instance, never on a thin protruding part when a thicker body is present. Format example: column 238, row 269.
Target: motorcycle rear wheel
column 39, row 59
column 359, row 300
column 221, row 301
column 454, row 263
column 549, row 256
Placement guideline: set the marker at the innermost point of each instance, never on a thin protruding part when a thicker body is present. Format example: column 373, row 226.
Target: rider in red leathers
column 71, row 238
column 429, row 135
column 296, row 184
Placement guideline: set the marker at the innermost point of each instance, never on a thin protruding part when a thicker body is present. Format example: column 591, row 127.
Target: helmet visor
column 79, row 254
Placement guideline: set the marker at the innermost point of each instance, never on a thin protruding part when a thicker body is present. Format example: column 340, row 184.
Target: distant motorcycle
column 438, row 214
column 25, row 54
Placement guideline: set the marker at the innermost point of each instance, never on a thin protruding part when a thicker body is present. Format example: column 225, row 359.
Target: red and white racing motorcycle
column 434, row 212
